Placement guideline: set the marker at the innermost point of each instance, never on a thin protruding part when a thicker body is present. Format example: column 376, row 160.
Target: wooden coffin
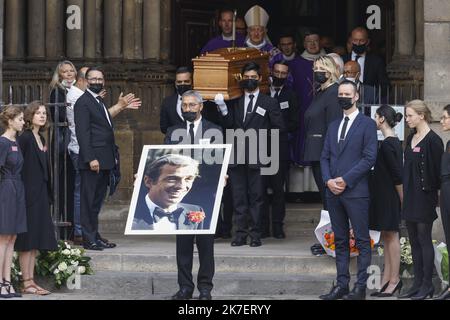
column 219, row 71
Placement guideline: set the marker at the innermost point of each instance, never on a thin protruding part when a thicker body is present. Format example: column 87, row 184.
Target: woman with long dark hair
column 40, row 233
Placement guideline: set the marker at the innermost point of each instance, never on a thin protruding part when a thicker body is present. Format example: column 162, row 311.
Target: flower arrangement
column 196, row 216
column 60, row 264
column 330, row 244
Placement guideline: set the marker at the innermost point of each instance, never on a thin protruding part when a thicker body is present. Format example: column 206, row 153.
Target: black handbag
column 114, row 175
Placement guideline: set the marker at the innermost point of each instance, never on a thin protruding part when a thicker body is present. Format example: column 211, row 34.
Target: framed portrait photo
column 178, row 189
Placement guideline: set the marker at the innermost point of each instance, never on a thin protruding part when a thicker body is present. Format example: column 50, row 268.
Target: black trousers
column 317, row 173
column 93, row 192
column 185, row 257
column 422, row 252
column 277, row 201
column 445, row 211
column 248, row 187
column 225, row 221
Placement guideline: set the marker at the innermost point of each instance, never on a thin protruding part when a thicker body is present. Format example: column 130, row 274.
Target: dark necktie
column 173, row 216
column 191, row 132
column 249, row 106
column 357, row 57
column 277, row 93
column 344, row 129
column 102, row 105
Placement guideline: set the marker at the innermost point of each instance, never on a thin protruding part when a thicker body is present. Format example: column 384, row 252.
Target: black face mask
column 320, row 77
column 249, row 84
column 359, row 49
column 278, row 82
column 96, row 88
column 345, row 103
column 189, row 116
column 182, row 88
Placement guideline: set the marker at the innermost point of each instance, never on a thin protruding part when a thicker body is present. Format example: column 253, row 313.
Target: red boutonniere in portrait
column 196, row 216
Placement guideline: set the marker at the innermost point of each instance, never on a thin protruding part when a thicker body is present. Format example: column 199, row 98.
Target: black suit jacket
column 35, row 170
column 289, row 111
column 94, row 133
column 272, row 119
column 323, row 110
column 374, row 70
column 168, row 113
column 204, row 126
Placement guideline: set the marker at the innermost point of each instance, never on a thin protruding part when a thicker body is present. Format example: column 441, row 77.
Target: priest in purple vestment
column 301, row 71
column 225, row 40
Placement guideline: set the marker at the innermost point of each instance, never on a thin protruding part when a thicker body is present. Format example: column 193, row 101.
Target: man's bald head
column 82, row 73
column 352, row 70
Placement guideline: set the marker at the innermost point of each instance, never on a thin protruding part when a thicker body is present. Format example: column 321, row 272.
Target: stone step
column 157, row 254
column 164, row 284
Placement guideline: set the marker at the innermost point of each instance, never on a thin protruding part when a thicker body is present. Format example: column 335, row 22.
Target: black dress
column 13, row 218
column 421, row 179
column 35, row 175
column 385, row 206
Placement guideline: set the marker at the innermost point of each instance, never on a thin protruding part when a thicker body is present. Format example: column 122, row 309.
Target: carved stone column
column 152, row 31
column 36, row 29
column 405, row 31
column 54, row 30
column 166, row 30
column 113, row 29
column 90, row 36
column 15, row 29
column 132, row 29
column 75, row 37
column 419, row 49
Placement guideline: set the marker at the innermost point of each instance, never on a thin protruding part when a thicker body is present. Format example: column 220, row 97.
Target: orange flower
column 196, row 216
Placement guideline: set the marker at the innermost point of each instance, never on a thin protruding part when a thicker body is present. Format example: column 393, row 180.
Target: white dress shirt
column 163, row 224
column 352, row 116
column 196, row 125
column 361, row 62
column 104, row 107
column 72, row 96
column 247, row 101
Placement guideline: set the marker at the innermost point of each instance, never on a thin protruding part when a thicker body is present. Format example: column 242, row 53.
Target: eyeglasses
column 189, row 106
column 443, row 118
column 96, row 79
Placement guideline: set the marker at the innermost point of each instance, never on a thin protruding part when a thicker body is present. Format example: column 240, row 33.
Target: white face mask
column 67, row 83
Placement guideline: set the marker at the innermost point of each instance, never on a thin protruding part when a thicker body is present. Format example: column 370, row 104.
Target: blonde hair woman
column 323, row 110
column 421, row 182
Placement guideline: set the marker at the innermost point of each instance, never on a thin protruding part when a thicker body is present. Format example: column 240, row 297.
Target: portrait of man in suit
column 169, row 179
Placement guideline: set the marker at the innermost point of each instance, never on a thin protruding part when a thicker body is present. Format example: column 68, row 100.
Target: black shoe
column 92, row 246
column 265, row 235
column 9, row 286
column 445, row 295
column 238, row 242
column 398, row 288
column 255, row 243
column 182, row 294
column 205, row 295
column 7, row 295
column 377, row 293
column 336, row 293
column 278, row 232
column 411, row 292
column 106, row 245
column 423, row 293
column 358, row 293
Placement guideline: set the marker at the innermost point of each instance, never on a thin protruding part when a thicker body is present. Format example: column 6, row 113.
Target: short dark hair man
column 350, row 151
column 170, row 112
column 168, row 179
column 254, row 112
column 225, row 39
